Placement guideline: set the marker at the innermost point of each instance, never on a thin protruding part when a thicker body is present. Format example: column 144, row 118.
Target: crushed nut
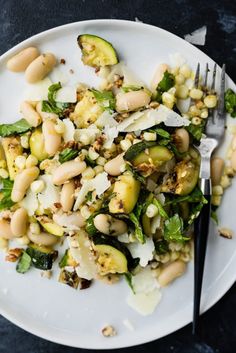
column 71, row 71
column 13, row 254
column 109, row 331
column 154, row 105
column 46, row 274
column 225, row 233
column 62, row 61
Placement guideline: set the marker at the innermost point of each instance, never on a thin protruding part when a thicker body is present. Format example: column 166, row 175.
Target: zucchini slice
column 12, row 148
column 36, row 143
column 156, row 154
column 51, row 227
column 96, row 51
column 110, row 260
column 136, row 149
column 42, row 257
column 67, row 260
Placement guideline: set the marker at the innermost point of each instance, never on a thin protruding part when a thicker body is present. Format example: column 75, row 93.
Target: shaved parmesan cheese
column 30, row 202
column 37, row 91
column 183, row 105
column 147, row 293
column 106, row 119
column 143, row 251
column 69, row 132
column 177, row 59
column 58, row 76
column 111, row 133
column 51, row 194
column 66, row 95
column 128, row 324
column 130, row 120
column 68, row 221
column 197, row 37
column 80, row 247
column 124, row 238
column 100, row 184
column 129, row 77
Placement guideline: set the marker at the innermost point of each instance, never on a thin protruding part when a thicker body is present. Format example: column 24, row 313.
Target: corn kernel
column 4, row 173
column 229, row 172
column 125, row 144
column 168, row 99
column 182, row 91
column 174, row 71
column 174, row 255
column 35, row 228
column 37, row 186
column 3, row 164
column 84, row 139
column 150, row 136
column 24, row 141
column 98, row 169
column 101, row 161
column 85, row 212
column 60, row 127
column 92, row 154
column 217, row 190
column 195, row 93
column 31, row 161
column 23, row 240
column 88, row 173
column 225, row 181
column 185, row 71
column 204, row 113
column 216, row 200
column 20, row 162
column 3, row 244
column 179, row 79
column 196, row 120
column 151, row 211
column 194, row 111
column 210, row 101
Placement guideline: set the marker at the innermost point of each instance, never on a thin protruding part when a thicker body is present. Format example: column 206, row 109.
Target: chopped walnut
column 57, row 205
column 109, row 331
column 225, row 233
column 46, row 274
column 13, row 254
column 97, row 145
column 62, row 61
column 153, row 105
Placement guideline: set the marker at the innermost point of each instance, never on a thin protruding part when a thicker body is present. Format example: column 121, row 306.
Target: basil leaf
column 195, row 130
column 130, row 88
column 64, row 259
column 128, row 278
column 195, row 196
column 67, row 154
column 89, row 196
column 230, row 102
column 173, row 229
column 24, row 263
column 89, row 161
column 18, row 127
column 51, row 106
column 5, row 194
column 136, row 175
column 106, row 99
column 161, row 132
column 164, row 85
column 161, row 210
column 214, row 216
column 52, row 91
column 161, row 247
column 138, row 232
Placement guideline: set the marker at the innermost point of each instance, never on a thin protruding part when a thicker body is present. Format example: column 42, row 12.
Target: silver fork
column 214, row 132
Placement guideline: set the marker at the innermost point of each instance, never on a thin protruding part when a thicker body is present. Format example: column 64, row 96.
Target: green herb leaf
column 24, row 263
column 51, row 106
column 136, row 175
column 90, row 227
column 161, row 247
column 106, row 99
column 161, row 210
column 18, row 127
column 89, row 196
column 5, row 194
column 89, row 161
column 64, row 259
column 164, row 85
column 195, row 196
column 196, row 209
column 138, row 232
column 161, row 132
column 67, row 154
column 230, row 102
column 128, row 278
column 173, row 229
column 196, row 131
column 130, row 88
column 214, row 216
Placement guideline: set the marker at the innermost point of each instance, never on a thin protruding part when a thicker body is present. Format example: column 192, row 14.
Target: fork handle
column 201, row 227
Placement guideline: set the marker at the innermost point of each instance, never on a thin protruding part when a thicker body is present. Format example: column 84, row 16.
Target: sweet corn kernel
column 60, row 127
column 92, row 154
column 229, row 172
column 174, row 255
column 150, row 136
column 179, row 79
column 4, row 173
column 31, row 161
column 3, row 244
column 125, row 144
column 172, row 91
column 194, row 111
column 182, row 91
column 185, row 71
column 3, row 164
column 195, row 93
column 84, row 139
column 35, row 228
column 98, row 169
column 101, row 161
column 217, row 190
column 210, row 101
column 174, row 71
column 216, row 200
column 88, row 173
column 199, row 104
column 152, row 211
column 185, row 257
column 204, row 113
column 123, row 168
column 168, row 99
column 20, row 162
column 85, row 212
column 23, row 240
column 196, row 120
column 225, row 181
column 37, row 186
column 24, row 141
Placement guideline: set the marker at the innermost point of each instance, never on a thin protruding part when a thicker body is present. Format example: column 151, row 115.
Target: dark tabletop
column 20, row 19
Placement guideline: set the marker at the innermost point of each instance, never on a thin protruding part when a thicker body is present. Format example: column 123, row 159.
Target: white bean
column 52, row 140
column 158, row 76
column 43, row 238
column 22, row 183
column 67, row 171
column 132, row 100
column 233, row 160
column 5, row 230
column 40, row 67
column 19, row 222
column 67, row 198
column 217, row 167
column 45, row 115
column 109, row 225
column 30, row 114
column 182, row 140
column 21, row 60
column 171, row 272
column 113, row 167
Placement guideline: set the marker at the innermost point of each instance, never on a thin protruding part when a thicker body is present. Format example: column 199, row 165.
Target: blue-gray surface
column 20, row 19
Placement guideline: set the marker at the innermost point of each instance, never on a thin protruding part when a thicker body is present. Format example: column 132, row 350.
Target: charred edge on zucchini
column 42, row 257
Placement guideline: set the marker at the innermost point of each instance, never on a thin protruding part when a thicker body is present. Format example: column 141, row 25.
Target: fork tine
column 197, row 76
column 206, row 75
column 220, row 110
column 213, row 78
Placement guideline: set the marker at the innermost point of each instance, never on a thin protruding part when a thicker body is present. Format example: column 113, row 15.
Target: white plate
column 75, row 318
